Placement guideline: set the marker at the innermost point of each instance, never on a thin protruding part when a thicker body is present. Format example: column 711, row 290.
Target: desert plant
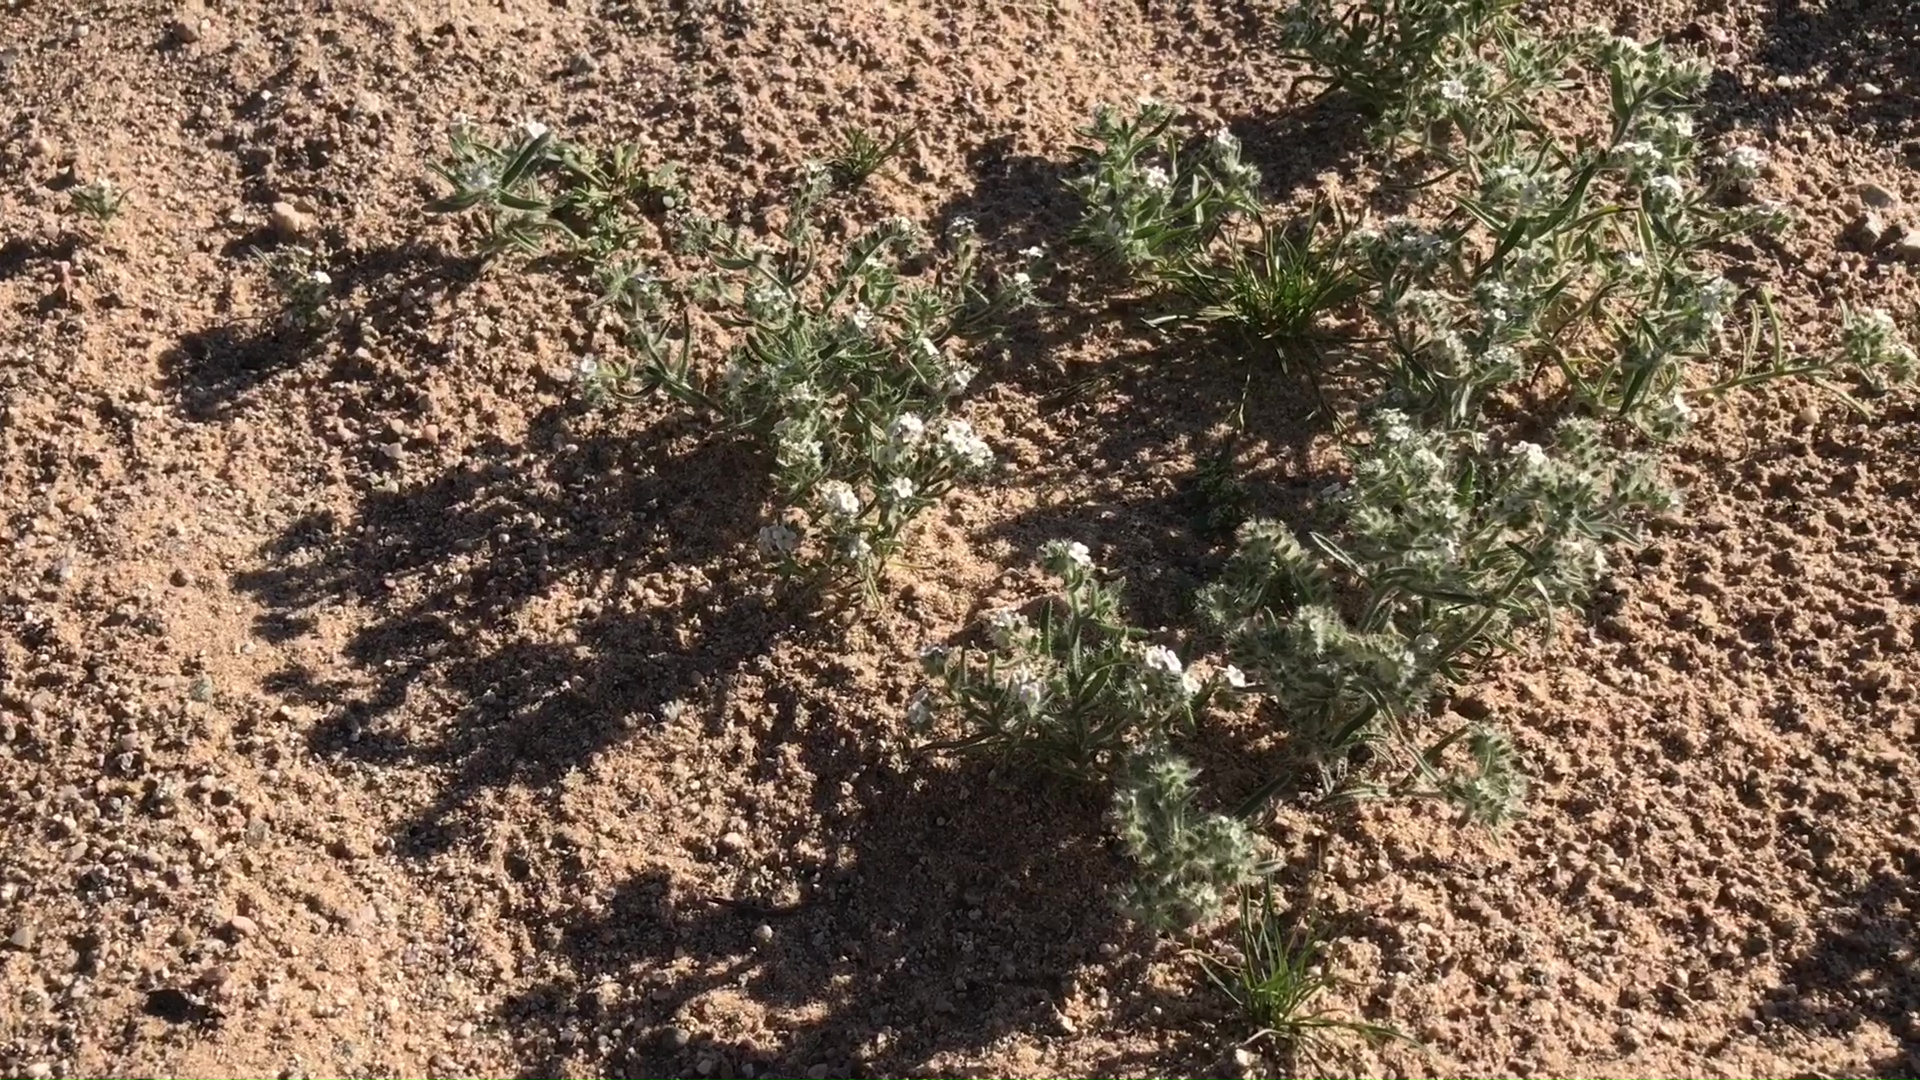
column 1446, row 548
column 533, row 186
column 299, row 276
column 861, row 153
column 1186, row 860
column 1148, row 199
column 1270, row 293
column 1075, row 689
column 1278, row 973
column 1386, row 53
column 99, row 202
column 1078, row 691
column 851, row 371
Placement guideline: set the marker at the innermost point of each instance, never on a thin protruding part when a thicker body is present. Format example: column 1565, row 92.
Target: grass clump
column 1278, row 975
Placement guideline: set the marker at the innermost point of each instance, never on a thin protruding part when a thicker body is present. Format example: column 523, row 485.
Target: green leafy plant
column 1078, row 691
column 1186, row 221
column 305, row 287
column 1273, row 292
column 1075, row 689
column 851, row 371
column 1186, row 860
column 1447, row 548
column 1393, row 56
column 99, row 201
column 1277, row 976
column 1148, row 200
column 532, row 187
column 860, row 154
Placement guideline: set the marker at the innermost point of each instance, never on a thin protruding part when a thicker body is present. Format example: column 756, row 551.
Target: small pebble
column 678, row 1037
column 23, row 938
column 288, row 223
column 582, row 64
column 763, row 934
column 242, row 927
column 1877, row 197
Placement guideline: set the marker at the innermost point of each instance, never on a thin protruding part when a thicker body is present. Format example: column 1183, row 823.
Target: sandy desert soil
column 378, row 709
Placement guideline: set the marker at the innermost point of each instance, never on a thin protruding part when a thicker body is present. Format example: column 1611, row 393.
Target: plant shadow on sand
column 446, row 569
column 546, row 599
column 1839, row 50
column 1861, row 969
column 214, row 371
column 949, row 905
column 957, row 907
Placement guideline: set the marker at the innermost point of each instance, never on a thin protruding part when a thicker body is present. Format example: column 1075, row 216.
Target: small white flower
column 587, row 368
column 778, row 539
column 1077, row 553
column 959, row 441
column 1022, row 279
column 1189, row 684
column 958, row 376
column 857, row 548
column 1156, row 178
column 920, row 710
column 899, row 488
column 321, row 277
column 1034, row 252
column 1006, row 626
column 1453, row 92
column 1745, row 162
column 1160, row 658
column 907, row 429
column 533, row 128
column 862, row 317
column 1666, row 189
column 839, row 498
column 927, row 349
column 1234, row 677
column 1225, row 139
column 962, row 226
column 1027, row 689
column 1530, row 454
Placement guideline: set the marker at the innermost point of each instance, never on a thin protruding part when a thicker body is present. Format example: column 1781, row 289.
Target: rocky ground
column 376, row 708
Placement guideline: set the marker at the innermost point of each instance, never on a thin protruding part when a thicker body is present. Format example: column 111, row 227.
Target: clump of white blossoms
column 1076, row 691
column 851, row 372
column 1148, row 199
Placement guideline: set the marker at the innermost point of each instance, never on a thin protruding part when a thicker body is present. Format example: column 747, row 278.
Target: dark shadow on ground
column 1861, row 968
column 1857, row 59
column 444, row 571
column 215, row 370
column 959, row 906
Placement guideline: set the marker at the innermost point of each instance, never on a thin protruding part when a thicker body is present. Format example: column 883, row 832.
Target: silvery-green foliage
column 1872, row 344
column 1441, row 549
column 850, row 368
column 533, row 186
column 1393, row 56
column 1582, row 258
column 1187, row 861
column 1073, row 689
column 1149, row 199
column 100, row 201
column 1183, row 215
column 299, row 275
